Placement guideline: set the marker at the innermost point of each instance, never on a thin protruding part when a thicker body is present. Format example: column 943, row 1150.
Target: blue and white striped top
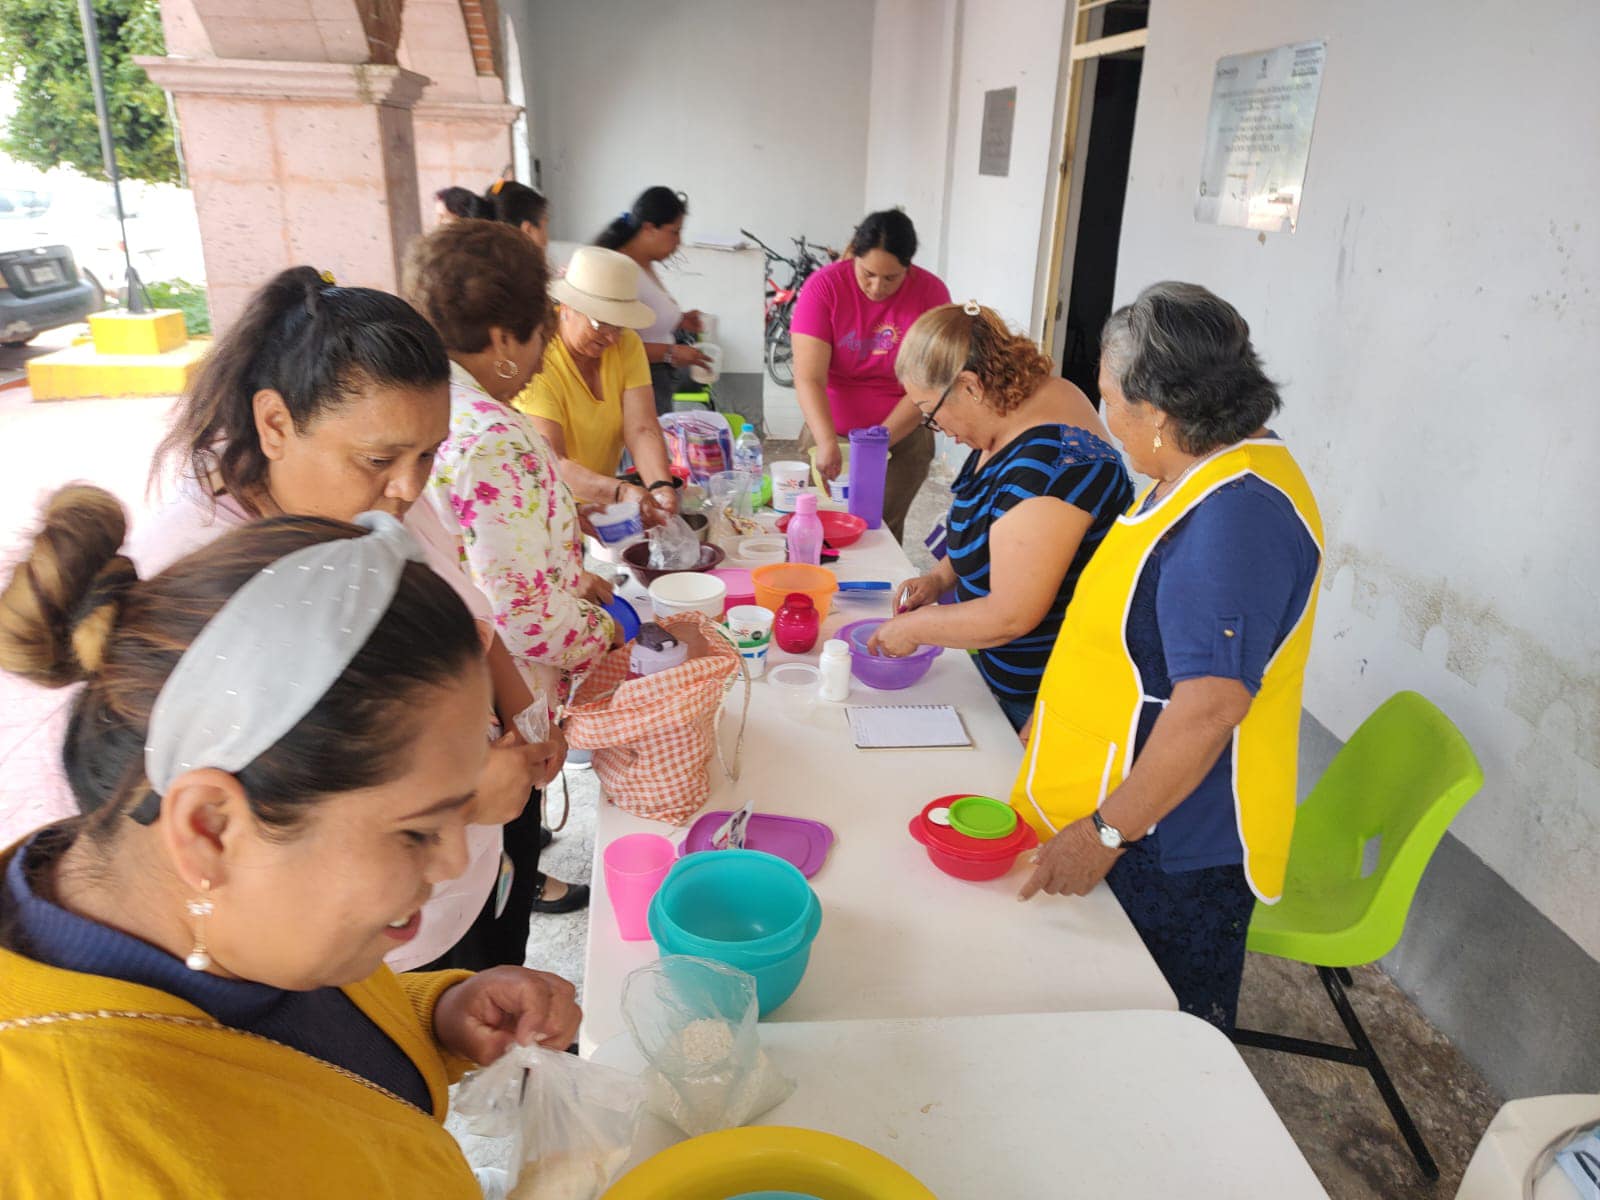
column 1063, row 461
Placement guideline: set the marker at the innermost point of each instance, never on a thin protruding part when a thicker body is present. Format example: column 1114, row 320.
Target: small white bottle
column 835, row 667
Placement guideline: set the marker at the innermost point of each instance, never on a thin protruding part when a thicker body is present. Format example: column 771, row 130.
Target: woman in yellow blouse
column 594, row 395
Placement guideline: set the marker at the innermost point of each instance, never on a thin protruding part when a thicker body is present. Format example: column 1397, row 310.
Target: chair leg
column 1362, row 1055
column 1344, row 976
column 1374, row 1065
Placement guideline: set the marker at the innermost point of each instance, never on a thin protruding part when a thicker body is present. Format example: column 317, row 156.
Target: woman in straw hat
column 594, row 396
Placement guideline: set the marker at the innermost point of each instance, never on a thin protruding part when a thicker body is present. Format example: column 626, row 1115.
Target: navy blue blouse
column 324, row 1023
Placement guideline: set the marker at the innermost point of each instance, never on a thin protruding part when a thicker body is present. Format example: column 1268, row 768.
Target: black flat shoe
column 545, row 837
column 576, row 898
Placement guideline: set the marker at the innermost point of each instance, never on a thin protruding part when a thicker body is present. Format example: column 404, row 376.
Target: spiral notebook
column 907, row 727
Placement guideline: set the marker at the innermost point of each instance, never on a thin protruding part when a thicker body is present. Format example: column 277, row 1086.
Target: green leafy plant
column 189, row 297
column 41, row 49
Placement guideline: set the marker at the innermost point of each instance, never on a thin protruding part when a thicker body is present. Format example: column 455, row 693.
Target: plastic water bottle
column 805, row 531
column 747, row 454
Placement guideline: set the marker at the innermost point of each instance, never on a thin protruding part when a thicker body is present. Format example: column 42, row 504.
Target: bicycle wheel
column 780, row 356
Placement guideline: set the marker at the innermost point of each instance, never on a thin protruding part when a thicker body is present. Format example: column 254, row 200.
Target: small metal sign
column 1258, row 137
column 994, row 148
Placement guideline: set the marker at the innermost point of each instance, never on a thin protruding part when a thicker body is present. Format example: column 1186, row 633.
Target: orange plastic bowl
column 776, row 580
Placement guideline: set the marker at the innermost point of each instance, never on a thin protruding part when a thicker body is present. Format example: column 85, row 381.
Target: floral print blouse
column 494, row 479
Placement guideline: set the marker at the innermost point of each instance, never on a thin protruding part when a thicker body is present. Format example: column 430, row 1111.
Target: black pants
column 492, row 941
column 665, row 379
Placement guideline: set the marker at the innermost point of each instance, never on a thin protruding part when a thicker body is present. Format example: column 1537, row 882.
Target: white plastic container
column 789, row 479
column 835, row 668
column 712, row 373
column 618, row 523
column 688, row 591
column 795, row 685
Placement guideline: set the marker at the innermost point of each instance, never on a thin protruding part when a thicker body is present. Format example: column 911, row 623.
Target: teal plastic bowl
column 746, row 909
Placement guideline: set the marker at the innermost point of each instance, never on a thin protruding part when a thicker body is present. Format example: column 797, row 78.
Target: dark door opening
column 1105, row 185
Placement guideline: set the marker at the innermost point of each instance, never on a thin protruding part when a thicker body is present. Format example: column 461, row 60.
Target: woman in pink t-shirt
column 847, row 328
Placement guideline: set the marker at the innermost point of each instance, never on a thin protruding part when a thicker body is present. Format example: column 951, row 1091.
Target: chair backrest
column 1401, row 778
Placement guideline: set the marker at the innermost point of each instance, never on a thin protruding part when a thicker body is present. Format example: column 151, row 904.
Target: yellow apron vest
column 1087, row 716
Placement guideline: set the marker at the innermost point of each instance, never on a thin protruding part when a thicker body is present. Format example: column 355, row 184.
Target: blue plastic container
column 747, row 909
column 626, row 618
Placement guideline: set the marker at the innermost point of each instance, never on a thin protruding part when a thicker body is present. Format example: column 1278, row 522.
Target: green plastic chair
column 1401, row 779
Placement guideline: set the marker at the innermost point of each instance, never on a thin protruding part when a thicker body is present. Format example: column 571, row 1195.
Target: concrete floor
column 1332, row 1111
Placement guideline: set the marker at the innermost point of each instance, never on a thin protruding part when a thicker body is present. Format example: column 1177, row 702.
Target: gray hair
column 1187, row 351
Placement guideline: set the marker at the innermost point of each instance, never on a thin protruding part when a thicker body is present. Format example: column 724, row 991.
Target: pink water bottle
column 805, row 531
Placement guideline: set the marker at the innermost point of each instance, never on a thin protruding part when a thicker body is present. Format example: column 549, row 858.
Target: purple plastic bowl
column 876, row 671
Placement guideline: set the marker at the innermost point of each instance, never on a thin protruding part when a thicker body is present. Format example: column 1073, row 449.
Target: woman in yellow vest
column 1161, row 752
column 274, row 752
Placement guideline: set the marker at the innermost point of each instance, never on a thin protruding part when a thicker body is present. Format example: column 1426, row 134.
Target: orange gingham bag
column 653, row 738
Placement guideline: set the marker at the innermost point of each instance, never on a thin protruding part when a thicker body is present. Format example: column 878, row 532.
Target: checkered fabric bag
column 654, row 738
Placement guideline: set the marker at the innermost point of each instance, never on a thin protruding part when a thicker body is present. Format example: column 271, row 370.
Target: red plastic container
column 839, row 529
column 797, row 624
column 970, row 858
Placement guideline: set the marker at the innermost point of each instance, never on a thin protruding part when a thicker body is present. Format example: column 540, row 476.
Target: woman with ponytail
column 330, row 401
column 523, row 208
column 274, row 748
column 650, row 233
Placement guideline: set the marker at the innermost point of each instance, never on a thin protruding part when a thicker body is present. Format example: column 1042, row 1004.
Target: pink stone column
column 460, row 143
column 296, row 162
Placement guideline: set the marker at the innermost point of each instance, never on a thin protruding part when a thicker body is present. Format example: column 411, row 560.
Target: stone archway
column 302, row 120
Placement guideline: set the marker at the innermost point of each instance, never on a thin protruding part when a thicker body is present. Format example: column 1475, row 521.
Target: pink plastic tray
column 795, row 839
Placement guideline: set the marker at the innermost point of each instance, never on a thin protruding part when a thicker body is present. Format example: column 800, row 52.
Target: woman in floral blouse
column 483, row 287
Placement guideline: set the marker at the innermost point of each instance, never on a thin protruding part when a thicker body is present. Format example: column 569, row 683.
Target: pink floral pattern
column 519, row 531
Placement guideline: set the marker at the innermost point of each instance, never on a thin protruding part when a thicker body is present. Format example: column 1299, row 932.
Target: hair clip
column 494, row 188
column 327, row 278
column 972, row 308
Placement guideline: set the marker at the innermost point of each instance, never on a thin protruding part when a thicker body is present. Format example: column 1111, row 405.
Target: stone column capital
column 356, row 83
column 475, row 111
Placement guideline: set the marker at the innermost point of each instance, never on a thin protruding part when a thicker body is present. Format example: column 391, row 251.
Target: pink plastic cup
column 635, row 865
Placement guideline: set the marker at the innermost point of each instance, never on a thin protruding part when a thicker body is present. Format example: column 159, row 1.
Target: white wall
column 993, row 232
column 909, row 124
column 757, row 109
column 1436, row 322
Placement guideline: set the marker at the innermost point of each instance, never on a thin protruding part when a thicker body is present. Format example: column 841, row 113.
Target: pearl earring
column 505, row 368
column 1156, row 444
column 200, row 908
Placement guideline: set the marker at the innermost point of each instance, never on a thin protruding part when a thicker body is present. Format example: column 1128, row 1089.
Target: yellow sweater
column 116, row 1090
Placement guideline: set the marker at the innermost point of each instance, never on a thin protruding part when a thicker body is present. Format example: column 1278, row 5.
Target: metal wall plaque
column 994, row 146
column 1258, row 137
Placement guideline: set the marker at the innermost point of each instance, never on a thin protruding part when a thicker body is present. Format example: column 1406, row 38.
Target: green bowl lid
column 982, row 817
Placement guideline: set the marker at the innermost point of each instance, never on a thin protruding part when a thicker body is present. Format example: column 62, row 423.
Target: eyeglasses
column 601, row 327
column 927, row 418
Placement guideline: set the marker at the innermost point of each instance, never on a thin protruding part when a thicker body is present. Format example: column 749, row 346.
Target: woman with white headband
column 328, row 401
column 274, row 753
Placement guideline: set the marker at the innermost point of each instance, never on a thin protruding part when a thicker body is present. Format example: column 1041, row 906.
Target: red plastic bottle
column 797, row 624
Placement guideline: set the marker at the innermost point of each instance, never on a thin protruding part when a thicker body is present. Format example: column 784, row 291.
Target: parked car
column 41, row 288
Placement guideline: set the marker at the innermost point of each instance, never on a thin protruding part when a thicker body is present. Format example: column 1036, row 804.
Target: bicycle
column 778, row 307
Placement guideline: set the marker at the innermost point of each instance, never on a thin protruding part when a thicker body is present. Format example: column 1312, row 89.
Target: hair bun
column 60, row 605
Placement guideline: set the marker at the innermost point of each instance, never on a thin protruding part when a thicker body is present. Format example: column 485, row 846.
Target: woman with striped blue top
column 1040, row 489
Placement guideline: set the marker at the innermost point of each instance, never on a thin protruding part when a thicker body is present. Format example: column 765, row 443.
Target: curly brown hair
column 948, row 340
column 470, row 276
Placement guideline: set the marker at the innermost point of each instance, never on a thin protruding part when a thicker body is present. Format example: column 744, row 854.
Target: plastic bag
column 567, row 1125
column 694, row 1021
column 700, row 443
column 673, row 546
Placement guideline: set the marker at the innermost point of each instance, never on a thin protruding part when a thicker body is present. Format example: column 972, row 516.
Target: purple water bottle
column 805, row 531
column 869, row 464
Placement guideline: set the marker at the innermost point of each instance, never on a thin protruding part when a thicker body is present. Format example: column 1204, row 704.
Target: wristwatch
column 1110, row 836
column 667, row 357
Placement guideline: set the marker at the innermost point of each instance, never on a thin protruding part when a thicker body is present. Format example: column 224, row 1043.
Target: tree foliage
column 41, row 50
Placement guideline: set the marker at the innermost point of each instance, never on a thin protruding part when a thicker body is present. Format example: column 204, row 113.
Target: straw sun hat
column 604, row 286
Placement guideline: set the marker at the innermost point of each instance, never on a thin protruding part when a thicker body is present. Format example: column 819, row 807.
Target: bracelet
column 664, row 483
column 666, row 358
column 616, row 493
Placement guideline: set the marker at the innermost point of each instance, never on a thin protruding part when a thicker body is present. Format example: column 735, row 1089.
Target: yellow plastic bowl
column 768, row 1158
column 775, row 581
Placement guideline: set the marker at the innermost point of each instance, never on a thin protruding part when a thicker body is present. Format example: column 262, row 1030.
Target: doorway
column 1103, row 97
